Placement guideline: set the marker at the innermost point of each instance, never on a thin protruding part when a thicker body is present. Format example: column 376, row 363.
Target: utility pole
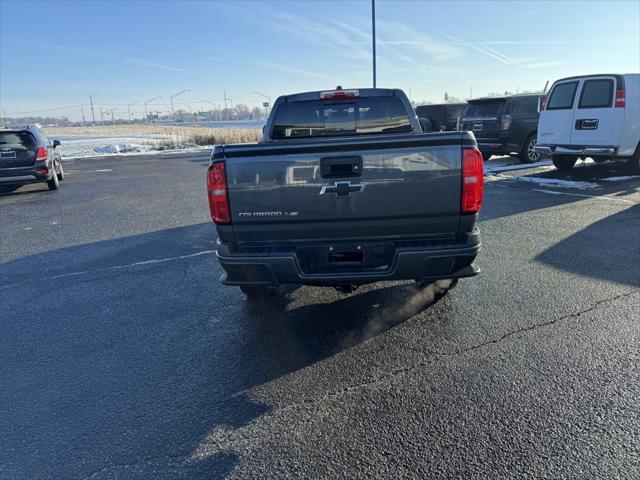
column 112, row 121
column 373, row 38
column 82, row 111
column 470, row 92
column 146, row 115
column 129, row 108
column 93, row 115
column 225, row 99
column 174, row 96
column 101, row 116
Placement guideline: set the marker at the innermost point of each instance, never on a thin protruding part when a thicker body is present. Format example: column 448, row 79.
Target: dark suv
column 443, row 117
column 504, row 125
column 28, row 156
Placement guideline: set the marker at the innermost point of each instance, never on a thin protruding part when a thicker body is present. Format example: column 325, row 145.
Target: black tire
column 60, row 172
column 564, row 162
column 633, row 163
column 53, row 184
column 528, row 154
column 257, row 291
column 8, row 188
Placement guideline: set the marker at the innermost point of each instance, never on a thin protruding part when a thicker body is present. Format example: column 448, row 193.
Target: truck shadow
column 151, row 360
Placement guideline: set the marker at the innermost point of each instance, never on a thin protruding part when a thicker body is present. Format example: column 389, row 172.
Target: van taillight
column 543, row 103
column 218, row 195
column 41, row 154
column 621, row 99
column 472, row 181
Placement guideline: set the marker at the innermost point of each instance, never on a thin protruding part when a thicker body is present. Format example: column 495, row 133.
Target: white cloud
column 147, row 63
column 294, row 70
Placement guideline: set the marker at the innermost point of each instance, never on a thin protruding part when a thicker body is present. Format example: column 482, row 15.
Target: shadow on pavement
column 590, row 251
column 136, row 365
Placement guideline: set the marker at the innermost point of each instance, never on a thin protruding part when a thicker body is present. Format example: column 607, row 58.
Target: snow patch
column 489, row 169
column 558, row 183
column 620, row 179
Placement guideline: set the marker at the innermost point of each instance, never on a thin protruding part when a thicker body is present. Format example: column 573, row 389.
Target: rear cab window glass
column 484, row 109
column 596, row 94
column 325, row 118
column 18, row 141
column 562, row 96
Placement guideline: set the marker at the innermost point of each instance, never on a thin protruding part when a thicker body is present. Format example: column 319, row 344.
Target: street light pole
column 373, row 38
column 264, row 96
column 174, row 96
column 129, row 108
column 146, row 115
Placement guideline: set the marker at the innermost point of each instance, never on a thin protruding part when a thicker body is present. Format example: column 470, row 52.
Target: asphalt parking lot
column 123, row 357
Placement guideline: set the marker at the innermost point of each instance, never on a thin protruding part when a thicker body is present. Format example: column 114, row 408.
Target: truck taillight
column 472, row 181
column 218, row 194
column 543, row 103
column 621, row 99
column 505, row 122
column 41, row 154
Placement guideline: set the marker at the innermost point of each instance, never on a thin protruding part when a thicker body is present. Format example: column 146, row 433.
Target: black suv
column 504, row 125
column 443, row 117
column 28, row 156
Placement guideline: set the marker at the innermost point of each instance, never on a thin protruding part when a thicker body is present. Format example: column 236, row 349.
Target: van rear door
column 594, row 117
column 556, row 120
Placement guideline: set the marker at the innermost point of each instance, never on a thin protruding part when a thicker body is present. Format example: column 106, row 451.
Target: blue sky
column 54, row 54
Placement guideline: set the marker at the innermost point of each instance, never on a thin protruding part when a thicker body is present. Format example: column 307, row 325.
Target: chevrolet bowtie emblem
column 342, row 189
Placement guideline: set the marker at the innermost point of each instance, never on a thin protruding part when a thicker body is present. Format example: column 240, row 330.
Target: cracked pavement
column 123, row 357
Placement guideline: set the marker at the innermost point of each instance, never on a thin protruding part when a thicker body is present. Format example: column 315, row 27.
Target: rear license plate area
column 345, row 258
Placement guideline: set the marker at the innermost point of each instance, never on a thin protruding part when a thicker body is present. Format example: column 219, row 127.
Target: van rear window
column 562, row 96
column 596, row 94
column 317, row 118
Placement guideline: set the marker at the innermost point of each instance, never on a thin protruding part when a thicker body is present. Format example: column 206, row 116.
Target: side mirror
column 56, row 143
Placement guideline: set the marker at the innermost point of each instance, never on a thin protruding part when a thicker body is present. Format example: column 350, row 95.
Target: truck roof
column 502, row 97
column 362, row 92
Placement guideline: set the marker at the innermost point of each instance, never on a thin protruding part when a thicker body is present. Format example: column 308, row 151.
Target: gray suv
column 28, row 156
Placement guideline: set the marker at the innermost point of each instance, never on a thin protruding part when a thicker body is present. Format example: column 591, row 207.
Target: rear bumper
column 409, row 263
column 578, row 150
column 14, row 176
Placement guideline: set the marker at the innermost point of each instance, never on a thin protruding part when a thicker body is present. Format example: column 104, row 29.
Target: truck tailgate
column 346, row 188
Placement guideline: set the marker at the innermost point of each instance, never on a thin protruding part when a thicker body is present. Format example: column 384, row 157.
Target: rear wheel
column 528, row 153
column 53, row 184
column 633, row 164
column 564, row 162
column 60, row 172
column 257, row 291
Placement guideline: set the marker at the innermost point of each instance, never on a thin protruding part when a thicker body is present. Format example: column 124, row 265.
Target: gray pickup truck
column 345, row 190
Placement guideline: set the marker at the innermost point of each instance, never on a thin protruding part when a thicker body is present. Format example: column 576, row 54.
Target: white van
column 595, row 116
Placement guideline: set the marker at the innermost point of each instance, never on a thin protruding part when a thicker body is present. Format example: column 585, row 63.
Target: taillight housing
column 339, row 94
column 472, row 181
column 621, row 98
column 218, row 194
column 505, row 122
column 41, row 154
column 543, row 103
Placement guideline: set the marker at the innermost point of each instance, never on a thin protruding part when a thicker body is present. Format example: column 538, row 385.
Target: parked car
column 443, row 117
column 28, row 156
column 596, row 116
column 345, row 190
column 504, row 125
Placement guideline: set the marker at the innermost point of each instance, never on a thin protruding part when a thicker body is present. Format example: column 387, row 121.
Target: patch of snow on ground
column 619, row 179
column 84, row 147
column 489, row 169
column 557, row 182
